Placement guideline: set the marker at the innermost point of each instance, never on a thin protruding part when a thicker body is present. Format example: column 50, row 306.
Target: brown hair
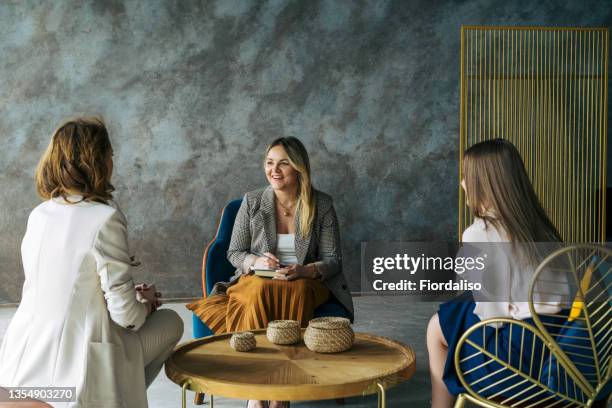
column 76, row 162
column 499, row 191
column 298, row 158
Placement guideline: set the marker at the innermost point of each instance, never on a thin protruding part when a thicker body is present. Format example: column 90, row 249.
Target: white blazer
column 74, row 325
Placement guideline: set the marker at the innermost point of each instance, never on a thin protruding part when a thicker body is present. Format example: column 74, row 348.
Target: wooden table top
column 289, row 373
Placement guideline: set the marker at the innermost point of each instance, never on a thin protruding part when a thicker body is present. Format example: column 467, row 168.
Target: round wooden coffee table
column 289, row 373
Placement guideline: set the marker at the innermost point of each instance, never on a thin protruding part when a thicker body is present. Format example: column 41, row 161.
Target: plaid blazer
column 255, row 231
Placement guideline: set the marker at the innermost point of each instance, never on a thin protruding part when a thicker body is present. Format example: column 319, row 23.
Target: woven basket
column 329, row 335
column 284, row 331
column 244, row 341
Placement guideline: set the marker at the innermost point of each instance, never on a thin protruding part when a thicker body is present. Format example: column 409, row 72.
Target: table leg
column 382, row 397
column 198, row 398
column 184, row 393
column 212, row 401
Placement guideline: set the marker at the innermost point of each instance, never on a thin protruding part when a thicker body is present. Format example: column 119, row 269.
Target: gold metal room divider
column 545, row 90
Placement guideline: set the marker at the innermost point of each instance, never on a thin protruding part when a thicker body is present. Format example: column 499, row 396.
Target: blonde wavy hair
column 76, row 162
column 298, row 159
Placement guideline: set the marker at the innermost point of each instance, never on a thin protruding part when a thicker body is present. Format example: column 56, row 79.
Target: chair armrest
column 503, row 361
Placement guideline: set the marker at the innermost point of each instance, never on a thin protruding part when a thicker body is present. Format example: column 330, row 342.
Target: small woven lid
column 243, row 336
column 284, row 324
column 329, row 323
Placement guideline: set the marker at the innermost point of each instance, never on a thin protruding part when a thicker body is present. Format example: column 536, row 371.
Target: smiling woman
column 289, row 228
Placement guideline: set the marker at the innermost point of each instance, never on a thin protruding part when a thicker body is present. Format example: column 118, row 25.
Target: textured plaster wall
column 193, row 92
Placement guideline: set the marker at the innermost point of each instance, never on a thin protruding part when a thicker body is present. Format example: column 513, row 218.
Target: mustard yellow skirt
column 254, row 301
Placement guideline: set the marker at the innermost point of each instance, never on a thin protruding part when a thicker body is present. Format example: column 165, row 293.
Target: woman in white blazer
column 82, row 322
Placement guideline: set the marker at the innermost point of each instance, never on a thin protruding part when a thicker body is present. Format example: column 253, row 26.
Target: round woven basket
column 244, row 341
column 283, row 331
column 329, row 335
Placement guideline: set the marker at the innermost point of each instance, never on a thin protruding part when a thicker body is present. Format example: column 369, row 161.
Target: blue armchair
column 216, row 268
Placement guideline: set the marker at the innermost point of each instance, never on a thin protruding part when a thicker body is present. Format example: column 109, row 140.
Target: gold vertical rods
column 559, row 132
column 597, row 147
column 489, row 128
column 473, row 90
column 480, row 90
column 602, row 135
column 541, row 167
column 564, row 168
column 591, row 177
column 558, row 128
column 600, row 159
column 581, row 138
column 512, row 84
column 474, row 43
column 574, row 138
column 496, row 52
column 470, row 45
column 551, row 111
column 546, row 45
column 573, row 94
column 515, row 90
column 605, row 132
column 552, row 180
column 585, row 142
column 583, row 121
column 477, row 113
column 542, row 116
column 558, row 181
column 593, row 236
column 538, row 104
column 580, row 95
column 461, row 131
column 532, row 109
column 474, row 87
column 525, row 76
column 525, row 99
column 525, row 86
column 505, row 84
column 509, row 76
column 590, row 146
column 483, row 83
column 551, row 129
column 520, row 93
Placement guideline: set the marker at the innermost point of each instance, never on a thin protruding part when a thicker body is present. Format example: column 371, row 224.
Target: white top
column 75, row 324
column 509, row 277
column 285, row 249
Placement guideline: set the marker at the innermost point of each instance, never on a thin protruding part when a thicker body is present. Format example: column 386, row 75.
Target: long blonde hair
column 499, row 192
column 298, row 159
column 76, row 162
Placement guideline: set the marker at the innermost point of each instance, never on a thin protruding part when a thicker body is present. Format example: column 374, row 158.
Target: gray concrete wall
column 194, row 91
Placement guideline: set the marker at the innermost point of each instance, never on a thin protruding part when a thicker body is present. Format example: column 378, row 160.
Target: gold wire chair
column 565, row 359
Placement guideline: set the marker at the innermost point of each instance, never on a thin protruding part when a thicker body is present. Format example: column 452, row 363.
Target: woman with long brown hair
column 82, row 322
column 291, row 228
column 509, row 219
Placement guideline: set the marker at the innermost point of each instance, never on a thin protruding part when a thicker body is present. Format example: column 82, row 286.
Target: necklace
column 287, row 209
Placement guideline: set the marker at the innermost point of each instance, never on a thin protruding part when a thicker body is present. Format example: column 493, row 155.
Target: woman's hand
column 293, row 272
column 148, row 295
column 270, row 261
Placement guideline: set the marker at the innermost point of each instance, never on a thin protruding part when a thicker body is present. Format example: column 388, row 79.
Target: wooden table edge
column 279, row 392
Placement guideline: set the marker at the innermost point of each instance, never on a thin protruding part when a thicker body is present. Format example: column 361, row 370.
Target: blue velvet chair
column 216, row 268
